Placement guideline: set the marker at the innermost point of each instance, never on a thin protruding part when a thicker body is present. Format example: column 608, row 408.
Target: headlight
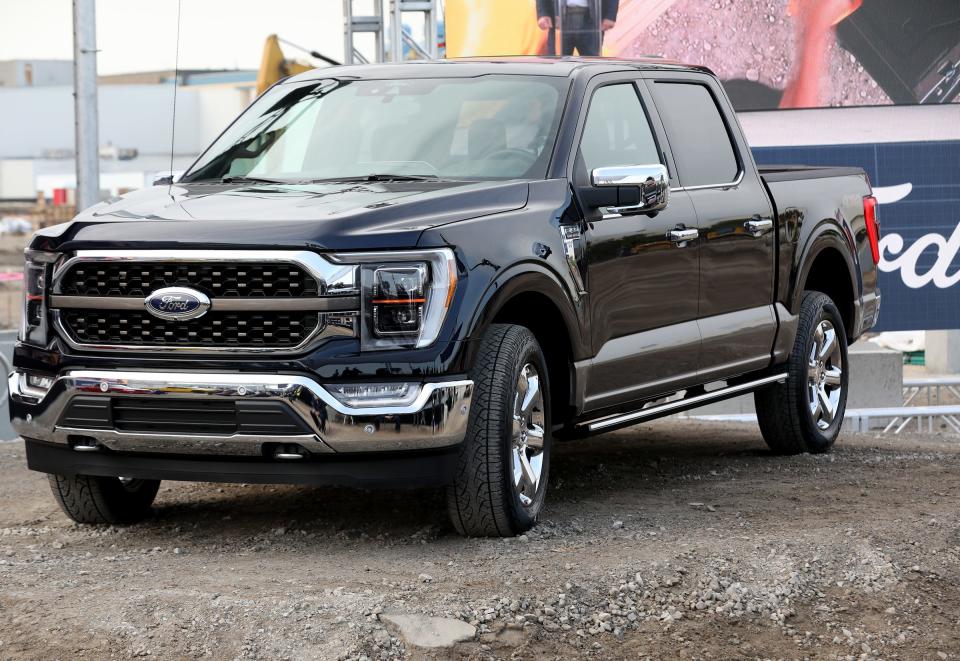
column 36, row 275
column 399, row 299
column 406, row 296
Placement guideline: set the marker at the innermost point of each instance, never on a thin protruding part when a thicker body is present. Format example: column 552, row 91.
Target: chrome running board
column 627, row 419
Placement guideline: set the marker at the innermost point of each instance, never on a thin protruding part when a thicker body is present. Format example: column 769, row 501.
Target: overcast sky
column 140, row 35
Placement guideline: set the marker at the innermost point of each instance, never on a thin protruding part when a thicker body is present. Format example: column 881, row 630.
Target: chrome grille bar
column 335, row 279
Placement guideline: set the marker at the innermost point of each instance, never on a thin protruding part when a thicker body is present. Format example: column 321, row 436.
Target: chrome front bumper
column 437, row 418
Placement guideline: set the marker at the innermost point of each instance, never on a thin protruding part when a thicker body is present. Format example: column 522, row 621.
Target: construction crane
column 274, row 66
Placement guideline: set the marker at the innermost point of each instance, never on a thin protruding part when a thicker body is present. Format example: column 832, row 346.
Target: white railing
column 897, row 418
column 932, row 387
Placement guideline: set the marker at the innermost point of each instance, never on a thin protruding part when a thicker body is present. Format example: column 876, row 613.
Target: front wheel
column 501, row 475
column 93, row 499
column 804, row 414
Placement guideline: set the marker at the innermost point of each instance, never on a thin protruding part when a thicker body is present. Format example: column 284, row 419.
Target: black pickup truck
column 423, row 273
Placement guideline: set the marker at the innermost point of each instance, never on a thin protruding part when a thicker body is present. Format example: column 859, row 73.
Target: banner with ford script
column 918, row 188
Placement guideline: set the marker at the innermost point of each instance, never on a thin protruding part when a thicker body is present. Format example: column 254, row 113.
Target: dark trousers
column 578, row 32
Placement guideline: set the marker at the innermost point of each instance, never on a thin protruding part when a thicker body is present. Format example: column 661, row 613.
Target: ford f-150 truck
column 424, row 273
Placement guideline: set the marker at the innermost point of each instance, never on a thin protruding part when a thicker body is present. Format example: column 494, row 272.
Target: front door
column 643, row 287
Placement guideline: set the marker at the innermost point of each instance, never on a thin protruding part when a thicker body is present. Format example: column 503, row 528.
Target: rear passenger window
column 617, row 131
column 697, row 133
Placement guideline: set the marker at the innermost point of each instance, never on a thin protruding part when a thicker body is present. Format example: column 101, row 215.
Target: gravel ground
column 679, row 539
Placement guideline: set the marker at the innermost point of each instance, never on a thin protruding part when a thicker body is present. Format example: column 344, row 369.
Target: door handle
column 682, row 236
column 758, row 226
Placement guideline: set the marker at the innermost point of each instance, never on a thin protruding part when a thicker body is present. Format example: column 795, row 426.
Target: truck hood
column 323, row 216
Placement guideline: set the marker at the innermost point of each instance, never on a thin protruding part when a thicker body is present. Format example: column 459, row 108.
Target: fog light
column 370, row 395
column 35, row 386
column 39, row 381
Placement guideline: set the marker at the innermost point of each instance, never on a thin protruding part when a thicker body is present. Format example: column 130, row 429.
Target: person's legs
column 579, row 34
column 572, row 26
column 589, row 42
column 569, row 23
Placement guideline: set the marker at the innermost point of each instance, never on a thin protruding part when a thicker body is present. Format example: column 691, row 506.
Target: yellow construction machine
column 275, row 66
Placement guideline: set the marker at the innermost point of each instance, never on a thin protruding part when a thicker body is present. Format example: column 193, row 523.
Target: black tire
column 787, row 421
column 482, row 500
column 90, row 499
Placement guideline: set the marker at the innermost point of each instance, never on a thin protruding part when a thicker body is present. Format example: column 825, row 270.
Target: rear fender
column 826, row 236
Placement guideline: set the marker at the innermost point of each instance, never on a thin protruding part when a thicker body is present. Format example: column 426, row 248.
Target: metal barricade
column 933, row 388
column 898, row 418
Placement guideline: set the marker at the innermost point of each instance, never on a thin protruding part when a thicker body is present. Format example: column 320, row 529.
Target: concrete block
column 942, row 352
column 876, row 379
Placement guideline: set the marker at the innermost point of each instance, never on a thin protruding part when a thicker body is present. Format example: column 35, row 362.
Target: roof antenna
column 176, row 79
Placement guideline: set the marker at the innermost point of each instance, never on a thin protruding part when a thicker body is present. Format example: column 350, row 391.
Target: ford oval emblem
column 177, row 303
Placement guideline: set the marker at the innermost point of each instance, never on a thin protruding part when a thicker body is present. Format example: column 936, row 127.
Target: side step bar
column 660, row 410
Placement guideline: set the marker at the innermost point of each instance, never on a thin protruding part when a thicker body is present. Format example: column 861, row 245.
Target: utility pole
column 85, row 102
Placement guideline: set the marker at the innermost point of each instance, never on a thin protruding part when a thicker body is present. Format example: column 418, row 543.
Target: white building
column 35, row 73
column 37, row 126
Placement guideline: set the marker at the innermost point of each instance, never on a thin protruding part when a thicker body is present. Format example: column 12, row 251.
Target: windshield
column 490, row 127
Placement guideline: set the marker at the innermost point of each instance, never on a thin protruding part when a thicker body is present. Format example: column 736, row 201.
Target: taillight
column 873, row 226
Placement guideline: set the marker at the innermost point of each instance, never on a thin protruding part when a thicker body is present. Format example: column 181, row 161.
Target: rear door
column 737, row 232
column 643, row 287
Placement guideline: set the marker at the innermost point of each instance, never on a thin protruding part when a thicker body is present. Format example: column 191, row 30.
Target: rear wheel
column 92, row 499
column 804, row 414
column 501, row 476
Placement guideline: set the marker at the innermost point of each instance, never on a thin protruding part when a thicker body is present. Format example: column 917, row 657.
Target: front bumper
column 437, row 418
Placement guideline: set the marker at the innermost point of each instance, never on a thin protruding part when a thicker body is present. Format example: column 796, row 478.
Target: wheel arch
column 827, row 266
column 536, row 299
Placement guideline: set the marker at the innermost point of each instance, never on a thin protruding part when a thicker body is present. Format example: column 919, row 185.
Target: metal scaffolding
column 386, row 24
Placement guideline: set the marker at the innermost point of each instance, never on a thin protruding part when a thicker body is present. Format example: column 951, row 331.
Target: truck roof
column 469, row 67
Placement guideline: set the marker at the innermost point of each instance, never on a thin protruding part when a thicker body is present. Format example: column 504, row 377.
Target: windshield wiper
column 400, row 177
column 383, row 177
column 239, row 179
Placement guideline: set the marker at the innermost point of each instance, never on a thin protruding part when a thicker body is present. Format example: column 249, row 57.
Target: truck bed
column 778, row 173
column 813, row 196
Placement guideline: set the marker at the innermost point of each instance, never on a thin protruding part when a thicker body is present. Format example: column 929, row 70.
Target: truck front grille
column 261, row 301
column 223, row 329
column 255, row 280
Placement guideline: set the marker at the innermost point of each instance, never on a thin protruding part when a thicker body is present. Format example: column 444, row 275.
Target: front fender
column 516, row 252
column 526, row 278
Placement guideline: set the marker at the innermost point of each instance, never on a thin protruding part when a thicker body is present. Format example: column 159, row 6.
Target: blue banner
column 918, row 187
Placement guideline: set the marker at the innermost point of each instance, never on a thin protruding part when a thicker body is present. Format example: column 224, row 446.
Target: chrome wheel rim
column 825, row 375
column 526, row 447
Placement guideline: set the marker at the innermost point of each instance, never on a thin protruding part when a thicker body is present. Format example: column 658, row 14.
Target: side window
column 617, row 131
column 697, row 133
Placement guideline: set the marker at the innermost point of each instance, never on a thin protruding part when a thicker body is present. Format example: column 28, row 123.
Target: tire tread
column 780, row 413
column 477, row 499
column 102, row 500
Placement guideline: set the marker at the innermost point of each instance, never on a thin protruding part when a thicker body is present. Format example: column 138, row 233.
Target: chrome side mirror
column 652, row 180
